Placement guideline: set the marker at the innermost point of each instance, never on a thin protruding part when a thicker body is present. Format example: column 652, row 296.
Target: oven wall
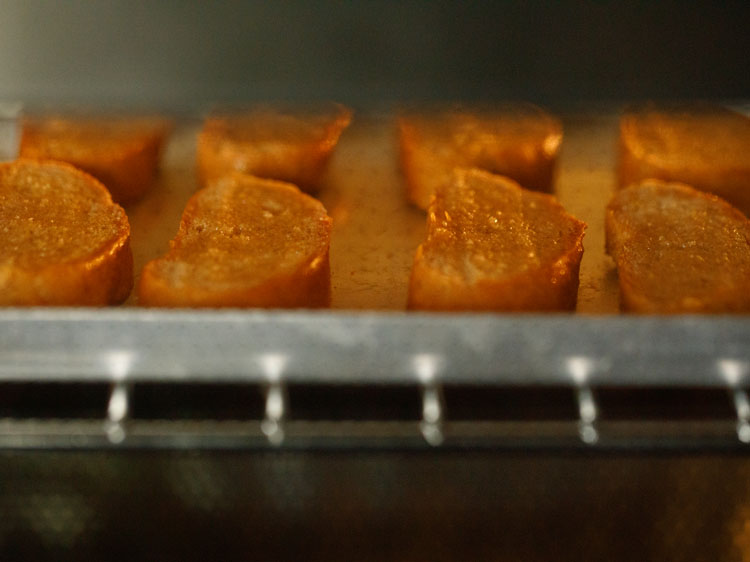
column 373, row 506
column 181, row 53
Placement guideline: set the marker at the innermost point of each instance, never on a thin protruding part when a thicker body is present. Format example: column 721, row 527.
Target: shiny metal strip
column 324, row 435
column 369, row 348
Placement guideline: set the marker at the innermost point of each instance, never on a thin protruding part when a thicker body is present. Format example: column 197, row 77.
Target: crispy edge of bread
column 128, row 174
column 632, row 299
column 309, row 286
column 102, row 279
column 730, row 182
column 422, row 171
column 548, row 287
column 302, row 163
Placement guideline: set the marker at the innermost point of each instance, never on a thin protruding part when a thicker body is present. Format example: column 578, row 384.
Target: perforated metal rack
column 336, row 380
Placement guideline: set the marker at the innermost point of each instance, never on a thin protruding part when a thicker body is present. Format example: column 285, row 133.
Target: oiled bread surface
column 62, row 240
column 292, row 144
column 518, row 140
column 492, row 245
column 702, row 145
column 244, row 242
column 678, row 250
column 123, row 152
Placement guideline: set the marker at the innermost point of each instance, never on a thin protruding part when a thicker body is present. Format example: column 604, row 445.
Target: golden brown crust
column 64, row 241
column 701, row 145
column 678, row 250
column 492, row 245
column 520, row 141
column 123, row 153
column 244, row 242
column 271, row 142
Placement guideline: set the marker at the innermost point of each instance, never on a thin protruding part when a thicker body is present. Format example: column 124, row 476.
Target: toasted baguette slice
column 678, row 250
column 520, row 141
column 244, row 242
column 704, row 146
column 292, row 145
column 123, row 153
column 62, row 239
column 492, row 245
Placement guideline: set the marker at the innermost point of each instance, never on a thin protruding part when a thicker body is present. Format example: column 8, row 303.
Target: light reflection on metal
column 272, row 424
column 742, row 407
column 426, row 366
column 118, row 411
column 733, row 371
column 273, row 365
column 433, row 407
column 588, row 413
column 579, row 368
column 118, row 364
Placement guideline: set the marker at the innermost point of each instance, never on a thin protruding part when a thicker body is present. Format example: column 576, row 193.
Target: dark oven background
column 176, row 52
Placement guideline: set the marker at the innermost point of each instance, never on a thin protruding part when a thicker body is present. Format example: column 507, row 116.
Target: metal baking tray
column 367, row 340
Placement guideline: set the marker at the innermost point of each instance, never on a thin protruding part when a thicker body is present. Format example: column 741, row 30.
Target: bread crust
column 65, row 242
column 286, row 144
column 678, row 250
column 520, row 141
column 701, row 145
column 244, row 242
column 123, row 153
column 482, row 254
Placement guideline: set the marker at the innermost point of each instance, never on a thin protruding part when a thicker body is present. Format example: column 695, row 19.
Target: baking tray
column 367, row 339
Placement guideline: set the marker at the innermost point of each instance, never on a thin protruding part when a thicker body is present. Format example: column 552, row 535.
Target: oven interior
column 619, row 438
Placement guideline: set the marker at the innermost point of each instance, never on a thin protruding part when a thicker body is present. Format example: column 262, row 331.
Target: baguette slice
column 123, row 153
column 678, row 250
column 62, row 239
column 492, row 245
column 244, row 242
column 520, row 141
column 292, row 145
column 701, row 145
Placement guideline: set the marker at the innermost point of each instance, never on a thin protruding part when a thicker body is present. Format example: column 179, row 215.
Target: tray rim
column 355, row 347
